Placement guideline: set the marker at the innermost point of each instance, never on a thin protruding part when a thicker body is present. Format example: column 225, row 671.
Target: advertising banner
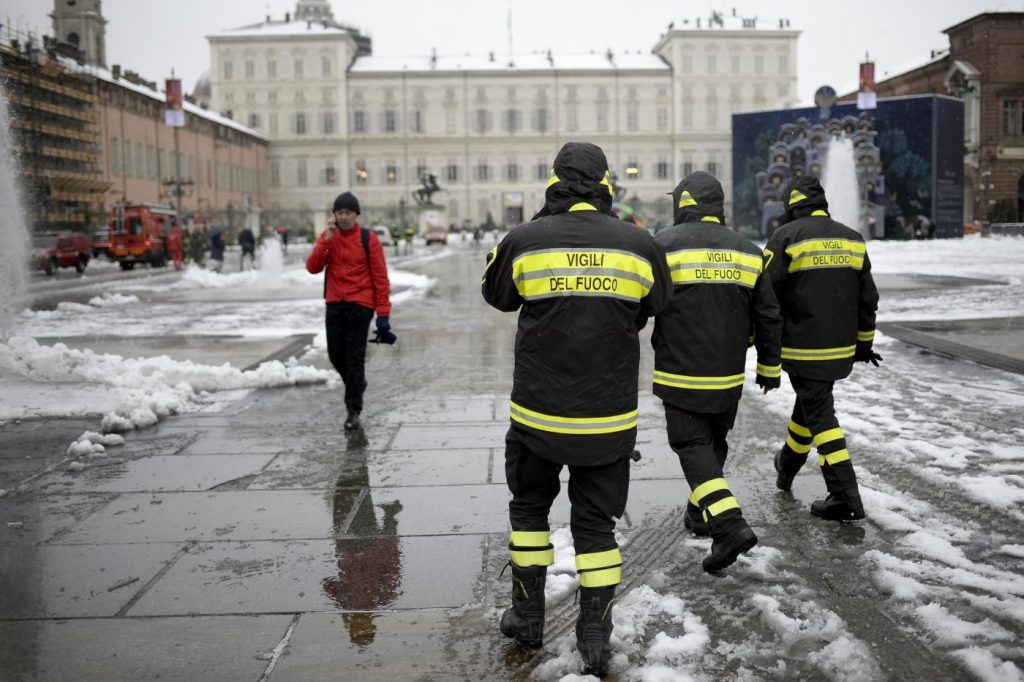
column 174, row 115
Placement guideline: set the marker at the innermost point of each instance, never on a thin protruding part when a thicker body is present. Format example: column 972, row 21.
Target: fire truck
column 138, row 234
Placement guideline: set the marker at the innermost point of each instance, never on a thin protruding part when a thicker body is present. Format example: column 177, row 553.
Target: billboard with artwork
column 905, row 163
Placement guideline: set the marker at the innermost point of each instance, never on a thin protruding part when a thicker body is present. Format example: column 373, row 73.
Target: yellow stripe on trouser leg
column 828, row 436
column 723, row 505
column 834, row 457
column 599, row 569
column 531, row 548
column 706, row 488
column 799, row 430
column 798, row 448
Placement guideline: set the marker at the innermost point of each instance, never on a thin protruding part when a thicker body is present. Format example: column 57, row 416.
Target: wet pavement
column 262, row 542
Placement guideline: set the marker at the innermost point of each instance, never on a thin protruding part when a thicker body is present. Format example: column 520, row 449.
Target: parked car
column 101, row 241
column 383, row 233
column 436, row 235
column 63, row 250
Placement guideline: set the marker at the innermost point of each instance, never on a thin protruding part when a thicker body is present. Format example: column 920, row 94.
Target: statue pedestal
column 430, row 215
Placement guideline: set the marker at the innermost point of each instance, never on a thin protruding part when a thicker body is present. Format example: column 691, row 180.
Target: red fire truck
column 138, row 234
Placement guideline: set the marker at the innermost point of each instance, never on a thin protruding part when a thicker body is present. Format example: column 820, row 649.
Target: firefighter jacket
column 355, row 273
column 720, row 295
column 584, row 283
column 821, row 274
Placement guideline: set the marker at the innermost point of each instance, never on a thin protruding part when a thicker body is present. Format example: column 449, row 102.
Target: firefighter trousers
column 814, row 423
column 597, row 496
column 699, row 440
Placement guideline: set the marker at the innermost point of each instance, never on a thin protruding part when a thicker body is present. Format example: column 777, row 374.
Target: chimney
column 115, row 71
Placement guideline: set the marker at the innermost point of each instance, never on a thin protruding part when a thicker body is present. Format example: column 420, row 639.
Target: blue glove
column 383, row 333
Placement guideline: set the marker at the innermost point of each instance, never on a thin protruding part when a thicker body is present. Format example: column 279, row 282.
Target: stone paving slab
column 30, row 518
column 316, row 575
column 449, row 435
column 75, row 581
column 224, row 648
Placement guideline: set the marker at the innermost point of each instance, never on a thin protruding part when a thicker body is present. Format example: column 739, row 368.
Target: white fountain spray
column 840, row 183
column 13, row 232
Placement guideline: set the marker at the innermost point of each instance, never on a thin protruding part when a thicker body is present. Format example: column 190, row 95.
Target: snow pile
column 112, row 299
column 93, row 444
column 149, row 388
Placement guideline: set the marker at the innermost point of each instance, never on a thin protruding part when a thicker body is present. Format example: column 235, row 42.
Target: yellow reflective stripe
column 826, row 253
column 530, row 538
column 490, row 261
column 771, row 371
column 582, row 272
column 833, row 457
column 812, row 354
column 819, row 213
column 866, row 336
column 596, row 560
column 553, row 179
column 796, row 196
column 828, row 436
column 714, row 266
column 685, row 199
column 606, row 181
column 799, row 430
column 573, row 425
column 602, row 578
column 706, row 488
column 711, row 219
column 535, row 557
column 582, row 206
column 798, row 448
column 723, row 505
column 697, row 383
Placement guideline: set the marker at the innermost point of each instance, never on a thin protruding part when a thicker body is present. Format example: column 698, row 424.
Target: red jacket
column 348, row 272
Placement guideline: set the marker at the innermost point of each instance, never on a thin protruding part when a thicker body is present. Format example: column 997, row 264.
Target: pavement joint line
column 907, row 334
column 353, row 510
column 291, row 349
column 152, row 581
column 278, row 650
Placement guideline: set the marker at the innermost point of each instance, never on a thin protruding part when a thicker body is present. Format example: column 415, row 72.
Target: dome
column 202, row 92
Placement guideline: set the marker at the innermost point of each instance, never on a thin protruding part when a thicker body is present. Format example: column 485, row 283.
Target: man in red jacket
column 355, row 285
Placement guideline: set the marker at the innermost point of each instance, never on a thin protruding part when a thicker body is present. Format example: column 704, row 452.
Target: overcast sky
column 154, row 36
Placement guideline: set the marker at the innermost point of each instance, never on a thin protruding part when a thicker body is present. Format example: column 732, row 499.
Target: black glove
column 865, row 354
column 383, row 333
column 768, row 383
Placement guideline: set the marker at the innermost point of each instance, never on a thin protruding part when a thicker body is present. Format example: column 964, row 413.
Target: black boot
column 842, row 505
column 787, row 464
column 352, row 420
column 524, row 620
column 594, row 629
column 694, row 522
column 730, row 538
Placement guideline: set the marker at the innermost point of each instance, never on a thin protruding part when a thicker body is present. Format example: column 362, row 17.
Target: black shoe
column 594, row 629
column 839, row 506
column 728, row 545
column 352, row 420
column 695, row 523
column 787, row 464
column 524, row 620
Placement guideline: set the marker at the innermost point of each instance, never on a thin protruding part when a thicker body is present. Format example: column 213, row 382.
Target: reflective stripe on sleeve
column 866, row 336
column 579, row 426
column 697, row 383
column 813, row 354
column 770, row 371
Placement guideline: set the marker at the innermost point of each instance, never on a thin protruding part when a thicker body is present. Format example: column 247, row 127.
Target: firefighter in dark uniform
column 585, row 284
column 821, row 274
column 700, row 346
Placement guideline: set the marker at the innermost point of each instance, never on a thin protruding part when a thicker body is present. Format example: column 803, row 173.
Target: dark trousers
column 815, row 411
column 597, row 495
column 699, row 440
column 347, row 327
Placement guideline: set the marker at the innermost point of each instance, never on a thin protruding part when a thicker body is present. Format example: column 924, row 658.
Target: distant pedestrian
column 174, row 249
column 355, row 285
column 247, row 241
column 197, row 245
column 217, row 250
column 821, row 274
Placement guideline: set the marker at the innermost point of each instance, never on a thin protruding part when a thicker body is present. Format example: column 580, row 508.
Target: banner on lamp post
column 174, row 114
column 866, row 96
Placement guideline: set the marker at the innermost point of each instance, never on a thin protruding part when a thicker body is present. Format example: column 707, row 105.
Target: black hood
column 580, row 175
column 803, row 196
column 698, row 195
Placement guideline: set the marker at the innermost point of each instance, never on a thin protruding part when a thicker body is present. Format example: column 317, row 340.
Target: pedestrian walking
column 821, row 274
column 584, row 284
column 174, row 249
column 247, row 240
column 700, row 345
column 355, row 286
column 217, row 249
column 197, row 245
column 410, row 232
